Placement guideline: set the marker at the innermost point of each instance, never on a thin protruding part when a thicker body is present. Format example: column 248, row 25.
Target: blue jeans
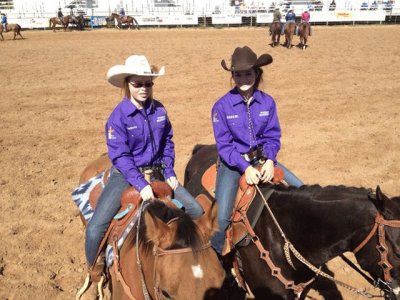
column 225, row 194
column 110, row 202
column 107, row 206
column 192, row 207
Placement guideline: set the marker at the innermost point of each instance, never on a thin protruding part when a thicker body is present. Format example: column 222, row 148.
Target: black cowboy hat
column 245, row 59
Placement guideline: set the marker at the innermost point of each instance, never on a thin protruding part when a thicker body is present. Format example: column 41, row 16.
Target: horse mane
column 187, row 234
column 320, row 193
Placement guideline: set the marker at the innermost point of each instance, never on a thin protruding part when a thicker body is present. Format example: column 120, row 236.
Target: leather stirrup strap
column 117, row 270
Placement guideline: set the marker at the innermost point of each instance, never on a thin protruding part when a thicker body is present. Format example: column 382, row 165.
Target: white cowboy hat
column 134, row 65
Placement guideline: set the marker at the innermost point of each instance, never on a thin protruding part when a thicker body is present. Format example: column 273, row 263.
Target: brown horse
column 304, row 32
column 131, row 21
column 65, row 21
column 275, row 33
column 290, row 28
column 11, row 28
column 167, row 255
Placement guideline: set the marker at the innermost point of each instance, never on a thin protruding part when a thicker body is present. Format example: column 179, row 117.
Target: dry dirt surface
column 338, row 104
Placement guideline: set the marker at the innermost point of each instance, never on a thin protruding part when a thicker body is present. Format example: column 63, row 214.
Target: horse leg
column 2, row 37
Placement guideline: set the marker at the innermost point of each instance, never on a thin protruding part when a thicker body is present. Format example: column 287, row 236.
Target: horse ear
column 379, row 199
column 380, row 195
column 160, row 233
column 208, row 223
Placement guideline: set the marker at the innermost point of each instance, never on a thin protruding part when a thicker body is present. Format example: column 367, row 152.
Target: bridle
column 386, row 266
column 158, row 254
column 380, row 223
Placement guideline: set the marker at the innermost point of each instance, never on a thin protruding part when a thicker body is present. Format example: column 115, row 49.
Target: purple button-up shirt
column 130, row 144
column 232, row 133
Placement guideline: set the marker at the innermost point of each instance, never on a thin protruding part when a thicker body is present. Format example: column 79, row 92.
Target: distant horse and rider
column 275, row 33
column 304, row 33
column 289, row 31
column 15, row 28
column 125, row 20
column 65, row 21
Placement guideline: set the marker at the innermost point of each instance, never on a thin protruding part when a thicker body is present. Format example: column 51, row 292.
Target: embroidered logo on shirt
column 215, row 118
column 161, row 119
column 229, row 117
column 111, row 135
column 264, row 113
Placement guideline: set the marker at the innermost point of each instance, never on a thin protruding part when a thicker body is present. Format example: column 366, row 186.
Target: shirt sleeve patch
column 161, row 118
column 215, row 117
column 110, row 133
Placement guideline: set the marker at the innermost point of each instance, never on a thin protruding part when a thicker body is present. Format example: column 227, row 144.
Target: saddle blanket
column 80, row 196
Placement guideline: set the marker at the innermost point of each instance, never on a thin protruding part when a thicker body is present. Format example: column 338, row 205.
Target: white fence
column 317, row 17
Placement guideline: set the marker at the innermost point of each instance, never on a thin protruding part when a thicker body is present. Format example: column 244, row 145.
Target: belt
column 255, row 154
column 152, row 168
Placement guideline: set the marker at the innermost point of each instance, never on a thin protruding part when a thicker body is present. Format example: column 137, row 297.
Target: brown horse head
column 175, row 254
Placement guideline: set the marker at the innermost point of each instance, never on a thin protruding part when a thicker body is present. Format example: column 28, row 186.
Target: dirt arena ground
column 338, row 103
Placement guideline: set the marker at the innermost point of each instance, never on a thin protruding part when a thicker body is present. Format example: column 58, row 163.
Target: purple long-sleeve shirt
column 232, row 131
column 130, row 144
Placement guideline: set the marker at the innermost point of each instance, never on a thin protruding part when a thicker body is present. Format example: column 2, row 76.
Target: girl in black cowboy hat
column 247, row 134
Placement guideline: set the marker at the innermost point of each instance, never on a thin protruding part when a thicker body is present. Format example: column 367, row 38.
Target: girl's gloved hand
column 267, row 171
column 252, row 175
column 173, row 182
column 147, row 193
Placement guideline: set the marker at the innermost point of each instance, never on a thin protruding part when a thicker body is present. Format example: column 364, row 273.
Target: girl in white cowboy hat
column 247, row 134
column 139, row 139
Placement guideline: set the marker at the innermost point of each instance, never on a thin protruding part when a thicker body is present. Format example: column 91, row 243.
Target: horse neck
column 129, row 267
column 342, row 223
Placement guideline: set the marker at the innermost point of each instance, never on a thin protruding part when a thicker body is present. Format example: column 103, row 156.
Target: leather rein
column 157, row 253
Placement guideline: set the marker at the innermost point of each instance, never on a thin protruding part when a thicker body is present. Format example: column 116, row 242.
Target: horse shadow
column 300, row 46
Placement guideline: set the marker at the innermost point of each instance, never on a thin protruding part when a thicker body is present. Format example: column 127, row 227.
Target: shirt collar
column 238, row 99
column 131, row 109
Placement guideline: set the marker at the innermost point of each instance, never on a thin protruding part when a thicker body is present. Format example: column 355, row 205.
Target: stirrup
column 86, row 285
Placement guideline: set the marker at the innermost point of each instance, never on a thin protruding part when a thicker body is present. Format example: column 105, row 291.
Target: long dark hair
column 259, row 77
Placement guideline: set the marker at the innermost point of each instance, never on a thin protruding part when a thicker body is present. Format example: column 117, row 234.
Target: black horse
column 321, row 223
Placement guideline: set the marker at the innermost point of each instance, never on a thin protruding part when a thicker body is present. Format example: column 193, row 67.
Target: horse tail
column 50, row 22
column 19, row 28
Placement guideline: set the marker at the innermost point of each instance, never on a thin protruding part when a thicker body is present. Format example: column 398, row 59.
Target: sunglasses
column 138, row 85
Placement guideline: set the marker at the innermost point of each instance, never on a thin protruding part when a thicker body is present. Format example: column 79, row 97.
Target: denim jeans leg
column 289, row 177
column 107, row 206
column 225, row 193
column 192, row 207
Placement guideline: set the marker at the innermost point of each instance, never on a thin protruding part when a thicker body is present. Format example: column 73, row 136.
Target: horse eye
column 166, row 295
